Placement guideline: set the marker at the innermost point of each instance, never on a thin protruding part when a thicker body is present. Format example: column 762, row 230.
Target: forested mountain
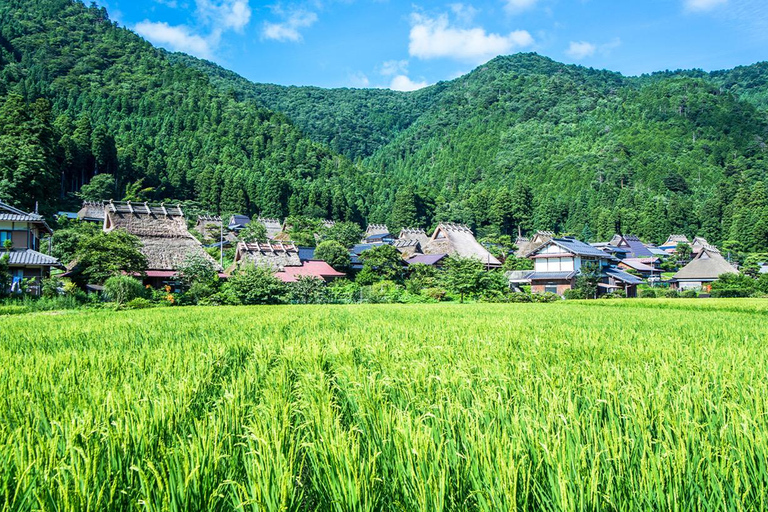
column 78, row 95
column 520, row 143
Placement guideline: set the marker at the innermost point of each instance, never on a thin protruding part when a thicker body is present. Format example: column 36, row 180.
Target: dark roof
column 306, row 253
column 623, row 276
column 30, row 257
column 238, row 221
column 427, row 259
column 636, row 246
column 10, row 214
column 380, row 236
column 579, row 248
column 551, row 276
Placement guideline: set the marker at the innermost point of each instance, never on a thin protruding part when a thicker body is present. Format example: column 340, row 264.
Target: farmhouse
column 273, row 226
column 634, row 246
column 238, row 222
column 162, row 230
column 209, row 226
column 457, row 239
column 92, row 211
column 670, row 246
column 20, row 234
column 377, row 233
column 704, row 269
column 407, row 247
column 558, row 262
column 284, row 259
column 526, row 246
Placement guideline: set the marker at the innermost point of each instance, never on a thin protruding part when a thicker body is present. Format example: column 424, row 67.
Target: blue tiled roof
column 580, row 248
column 306, row 253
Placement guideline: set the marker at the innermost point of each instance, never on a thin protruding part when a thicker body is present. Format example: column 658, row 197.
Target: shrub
column 257, row 285
column 545, row 297
column 731, row 293
column 121, row 289
column 575, row 294
column 138, row 303
column 670, row 294
column 434, row 293
column 334, row 254
column 383, row 292
column 52, row 287
column 519, row 297
column 343, row 291
column 307, row 290
column 647, row 294
column 689, row 294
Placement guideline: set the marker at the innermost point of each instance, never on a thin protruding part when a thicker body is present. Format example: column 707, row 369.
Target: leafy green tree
column 333, row 253
column 303, row 230
column 404, row 210
column 104, row 255
column 380, row 263
column 254, row 231
column 588, row 279
column 683, row 252
column 252, row 284
column 464, row 276
column 199, row 277
column 100, row 188
column 346, row 233
column 307, row 290
column 5, row 275
column 67, row 238
column 121, row 289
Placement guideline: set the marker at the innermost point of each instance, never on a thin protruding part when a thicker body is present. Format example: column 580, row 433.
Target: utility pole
column 221, row 243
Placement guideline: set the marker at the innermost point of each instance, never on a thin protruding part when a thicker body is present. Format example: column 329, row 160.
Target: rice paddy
column 608, row 405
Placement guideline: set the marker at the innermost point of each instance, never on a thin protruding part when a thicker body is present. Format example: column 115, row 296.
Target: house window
column 550, row 288
column 5, row 235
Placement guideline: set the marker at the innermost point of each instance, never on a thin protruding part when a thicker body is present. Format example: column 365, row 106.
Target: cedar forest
column 520, row 143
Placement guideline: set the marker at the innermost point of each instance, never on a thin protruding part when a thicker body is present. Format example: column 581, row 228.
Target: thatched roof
column 414, row 234
column 376, row 229
column 708, row 265
column 458, row 239
column 92, row 211
column 210, row 226
column 165, row 240
column 673, row 240
column 526, row 246
column 275, row 255
column 273, row 226
column 407, row 247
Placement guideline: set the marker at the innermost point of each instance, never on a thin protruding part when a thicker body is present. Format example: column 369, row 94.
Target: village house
column 528, row 245
column 702, row 270
column 273, row 226
column 558, row 262
column 165, row 240
column 238, row 222
column 92, row 211
column 210, row 227
column 670, row 246
column 458, row 240
column 20, row 234
column 377, row 233
column 285, row 261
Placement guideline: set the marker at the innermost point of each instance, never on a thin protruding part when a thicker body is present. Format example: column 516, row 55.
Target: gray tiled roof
column 623, row 276
column 30, row 257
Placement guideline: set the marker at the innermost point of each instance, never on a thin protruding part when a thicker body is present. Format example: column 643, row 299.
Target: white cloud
column 581, row 49
column 359, row 80
column 434, row 37
column 288, row 30
column 393, row 67
column 464, row 13
column 224, row 14
column 518, row 6
column 403, row 83
column 703, row 5
column 175, row 38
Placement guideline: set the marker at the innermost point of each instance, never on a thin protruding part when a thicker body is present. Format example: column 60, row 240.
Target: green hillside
column 520, row 143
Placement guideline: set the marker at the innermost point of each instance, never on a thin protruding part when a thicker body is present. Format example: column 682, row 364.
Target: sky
column 406, row 45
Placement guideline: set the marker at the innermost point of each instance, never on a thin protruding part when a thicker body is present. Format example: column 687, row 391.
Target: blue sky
column 405, row 45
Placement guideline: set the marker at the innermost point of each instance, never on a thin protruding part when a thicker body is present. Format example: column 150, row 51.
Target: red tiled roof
column 311, row 268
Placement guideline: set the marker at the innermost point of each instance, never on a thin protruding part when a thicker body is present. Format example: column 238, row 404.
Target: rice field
column 608, row 405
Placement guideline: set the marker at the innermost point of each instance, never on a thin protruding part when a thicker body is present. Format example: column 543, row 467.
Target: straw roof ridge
column 709, row 264
column 376, row 229
column 208, row 218
column 144, row 208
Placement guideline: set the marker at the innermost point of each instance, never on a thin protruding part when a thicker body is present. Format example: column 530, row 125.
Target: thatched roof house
column 284, row 260
column 407, row 247
column 273, row 226
column 275, row 255
column 210, row 226
column 417, row 234
column 672, row 240
column 165, row 240
column 526, row 246
column 705, row 268
column 92, row 211
column 458, row 239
